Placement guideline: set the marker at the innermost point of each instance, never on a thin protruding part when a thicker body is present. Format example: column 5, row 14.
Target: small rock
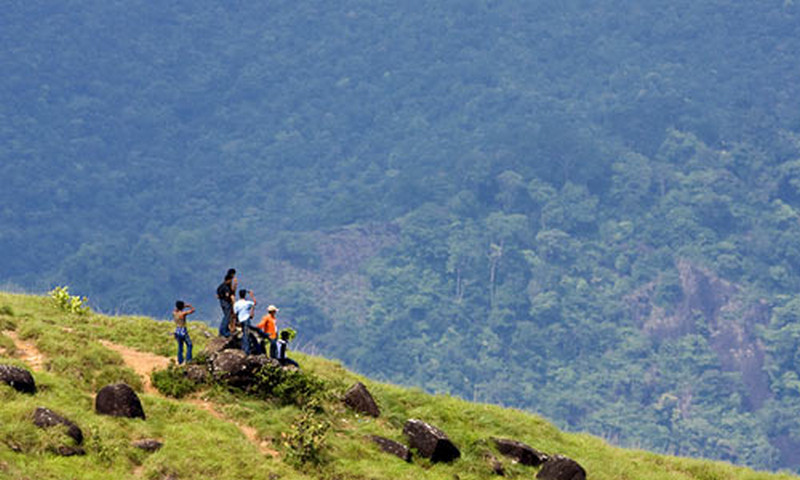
column 359, row 399
column 119, row 400
column 520, row 452
column 148, row 444
column 390, row 446
column 495, row 464
column 66, row 451
column 18, row 378
column 46, row 418
column 560, row 467
column 431, row 442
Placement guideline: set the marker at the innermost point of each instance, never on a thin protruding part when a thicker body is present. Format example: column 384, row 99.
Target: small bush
column 172, row 382
column 289, row 386
column 69, row 303
column 307, row 438
column 7, row 311
column 104, row 447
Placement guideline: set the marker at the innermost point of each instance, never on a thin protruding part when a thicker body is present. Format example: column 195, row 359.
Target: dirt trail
column 26, row 351
column 143, row 363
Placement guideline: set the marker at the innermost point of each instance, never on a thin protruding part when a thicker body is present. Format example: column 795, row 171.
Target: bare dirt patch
column 143, row 363
column 27, row 351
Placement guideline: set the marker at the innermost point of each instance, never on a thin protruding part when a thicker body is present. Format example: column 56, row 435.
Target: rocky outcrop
column 390, row 446
column 197, row 373
column 18, row 378
column 520, row 452
column 237, row 369
column 430, row 442
column 218, row 344
column 148, row 444
column 119, row 400
column 46, row 418
column 359, row 399
column 560, row 467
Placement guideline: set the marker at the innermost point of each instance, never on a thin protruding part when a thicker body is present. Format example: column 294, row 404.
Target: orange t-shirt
column 267, row 325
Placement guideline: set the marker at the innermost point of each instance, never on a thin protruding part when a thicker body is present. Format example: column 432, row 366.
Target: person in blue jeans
column 226, row 296
column 179, row 315
column 245, row 311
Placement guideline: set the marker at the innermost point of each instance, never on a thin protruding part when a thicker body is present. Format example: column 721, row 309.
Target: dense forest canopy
column 585, row 209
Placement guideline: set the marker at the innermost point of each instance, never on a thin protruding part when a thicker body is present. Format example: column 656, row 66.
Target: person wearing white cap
column 268, row 325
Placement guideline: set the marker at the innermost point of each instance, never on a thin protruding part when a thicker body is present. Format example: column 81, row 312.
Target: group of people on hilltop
column 236, row 313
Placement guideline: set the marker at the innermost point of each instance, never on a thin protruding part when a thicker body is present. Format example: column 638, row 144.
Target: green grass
column 198, row 444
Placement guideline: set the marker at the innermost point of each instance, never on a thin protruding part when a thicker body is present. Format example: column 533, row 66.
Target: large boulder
column 359, row 399
column 18, row 378
column 520, row 452
column 560, row 467
column 119, row 400
column 46, row 418
column 431, row 442
column 390, row 446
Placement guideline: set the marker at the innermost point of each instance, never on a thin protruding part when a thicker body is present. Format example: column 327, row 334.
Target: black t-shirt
column 224, row 293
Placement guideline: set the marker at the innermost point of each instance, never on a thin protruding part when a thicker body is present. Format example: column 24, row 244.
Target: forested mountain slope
column 585, row 209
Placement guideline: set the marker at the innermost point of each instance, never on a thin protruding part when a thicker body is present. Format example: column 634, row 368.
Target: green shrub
column 104, row 447
column 306, row 440
column 7, row 311
column 289, row 386
column 69, row 303
column 172, row 382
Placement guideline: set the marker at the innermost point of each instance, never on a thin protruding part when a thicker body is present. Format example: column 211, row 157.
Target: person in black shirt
column 226, row 298
column 281, row 350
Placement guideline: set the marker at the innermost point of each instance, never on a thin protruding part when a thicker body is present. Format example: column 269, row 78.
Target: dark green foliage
column 289, row 386
column 173, row 382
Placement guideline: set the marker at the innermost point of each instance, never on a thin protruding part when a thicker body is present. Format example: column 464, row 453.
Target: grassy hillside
column 204, row 435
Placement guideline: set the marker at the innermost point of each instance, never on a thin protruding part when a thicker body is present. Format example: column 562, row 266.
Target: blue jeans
column 182, row 336
column 245, row 336
column 227, row 312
